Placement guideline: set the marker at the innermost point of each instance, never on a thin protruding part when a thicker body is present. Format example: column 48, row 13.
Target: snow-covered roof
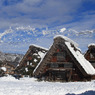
column 42, row 55
column 39, row 46
column 3, row 68
column 66, row 39
column 89, row 69
column 86, row 65
column 92, row 44
column 77, row 54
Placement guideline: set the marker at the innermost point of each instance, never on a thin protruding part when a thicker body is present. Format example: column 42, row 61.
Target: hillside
column 12, row 58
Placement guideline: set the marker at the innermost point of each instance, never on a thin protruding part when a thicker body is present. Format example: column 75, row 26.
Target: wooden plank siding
column 60, row 65
column 90, row 56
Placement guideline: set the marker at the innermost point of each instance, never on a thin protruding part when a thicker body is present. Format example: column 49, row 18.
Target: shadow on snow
column 85, row 93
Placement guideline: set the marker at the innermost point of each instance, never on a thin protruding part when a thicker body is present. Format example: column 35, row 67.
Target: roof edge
column 39, row 46
column 66, row 39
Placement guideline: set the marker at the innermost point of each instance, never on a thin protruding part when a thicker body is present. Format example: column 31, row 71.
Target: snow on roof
column 39, row 46
column 82, row 61
column 26, row 69
column 42, row 56
column 92, row 44
column 35, row 60
column 66, row 39
column 77, row 54
column 3, row 68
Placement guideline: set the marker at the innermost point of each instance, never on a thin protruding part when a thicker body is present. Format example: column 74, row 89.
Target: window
column 68, row 65
column 61, row 57
column 9, row 69
column 61, row 65
column 54, row 65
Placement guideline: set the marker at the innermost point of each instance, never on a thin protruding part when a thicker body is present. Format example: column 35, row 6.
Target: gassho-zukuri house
column 31, row 59
column 64, row 62
column 90, row 54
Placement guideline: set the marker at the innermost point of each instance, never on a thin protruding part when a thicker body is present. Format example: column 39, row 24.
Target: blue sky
column 26, row 22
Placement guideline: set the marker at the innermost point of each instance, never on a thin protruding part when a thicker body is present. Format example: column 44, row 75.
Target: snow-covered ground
column 30, row 86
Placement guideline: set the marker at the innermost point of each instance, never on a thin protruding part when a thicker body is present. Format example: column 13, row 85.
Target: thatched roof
column 84, row 66
column 32, row 49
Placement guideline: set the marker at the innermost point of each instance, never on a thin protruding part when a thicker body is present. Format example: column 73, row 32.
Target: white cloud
column 27, row 28
column 27, row 16
column 38, row 12
column 5, row 33
column 62, row 30
column 19, row 41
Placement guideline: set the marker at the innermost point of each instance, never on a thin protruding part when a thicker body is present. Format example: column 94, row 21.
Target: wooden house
column 8, row 67
column 31, row 59
column 90, row 54
column 64, row 62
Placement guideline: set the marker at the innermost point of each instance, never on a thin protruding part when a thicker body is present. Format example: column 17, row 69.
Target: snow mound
column 8, row 78
column 29, row 86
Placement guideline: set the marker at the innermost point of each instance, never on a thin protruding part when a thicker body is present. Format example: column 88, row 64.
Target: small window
column 68, row 65
column 61, row 65
column 9, row 68
column 54, row 65
column 55, row 54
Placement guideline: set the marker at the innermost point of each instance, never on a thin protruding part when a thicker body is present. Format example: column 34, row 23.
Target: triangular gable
column 90, row 54
column 71, row 48
column 33, row 50
column 81, row 60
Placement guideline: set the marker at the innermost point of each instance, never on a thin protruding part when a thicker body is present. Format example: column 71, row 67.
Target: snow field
column 30, row 86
